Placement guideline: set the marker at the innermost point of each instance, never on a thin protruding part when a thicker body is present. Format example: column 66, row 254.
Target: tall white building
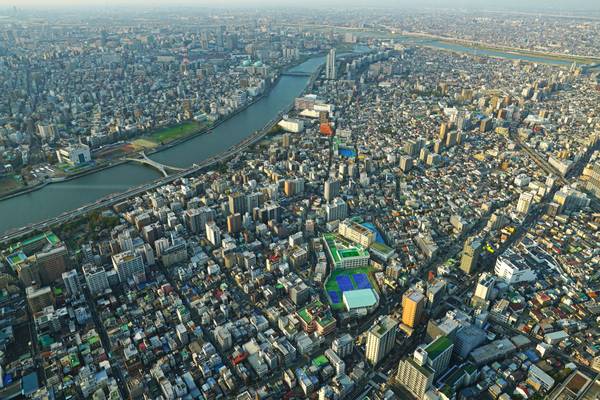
column 336, row 210
column 380, row 339
column 71, row 281
column 343, row 345
column 485, row 285
column 330, row 71
column 336, row 362
column 125, row 241
column 414, row 376
column 95, row 278
column 213, row 233
column 524, row 203
column 129, row 265
column 512, row 268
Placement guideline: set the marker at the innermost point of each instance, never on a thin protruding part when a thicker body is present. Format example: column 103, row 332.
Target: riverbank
column 158, row 149
column 111, row 199
column 506, row 49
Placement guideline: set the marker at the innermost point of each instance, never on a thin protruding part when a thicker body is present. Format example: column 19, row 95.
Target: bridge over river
column 162, row 168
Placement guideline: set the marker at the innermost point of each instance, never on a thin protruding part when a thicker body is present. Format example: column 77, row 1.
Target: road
column 114, row 198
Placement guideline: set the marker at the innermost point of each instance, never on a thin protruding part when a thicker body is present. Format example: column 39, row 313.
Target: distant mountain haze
column 506, row 5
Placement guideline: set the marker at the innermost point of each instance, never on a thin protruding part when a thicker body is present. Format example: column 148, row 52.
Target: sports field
column 166, row 135
column 345, row 279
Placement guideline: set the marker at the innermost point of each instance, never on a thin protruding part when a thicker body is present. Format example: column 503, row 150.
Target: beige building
column 356, row 232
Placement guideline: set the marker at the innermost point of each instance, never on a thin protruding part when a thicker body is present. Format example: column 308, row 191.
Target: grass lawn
column 332, row 285
column 169, row 134
column 9, row 183
column 166, row 135
column 143, row 144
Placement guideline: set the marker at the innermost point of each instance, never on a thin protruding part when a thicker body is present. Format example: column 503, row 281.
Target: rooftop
column 438, row 346
column 360, row 298
column 341, row 248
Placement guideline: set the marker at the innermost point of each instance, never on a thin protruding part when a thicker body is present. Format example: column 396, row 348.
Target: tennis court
column 333, row 295
column 344, row 283
column 345, row 280
column 362, row 281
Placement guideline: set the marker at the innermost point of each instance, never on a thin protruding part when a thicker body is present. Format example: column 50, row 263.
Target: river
column 57, row 198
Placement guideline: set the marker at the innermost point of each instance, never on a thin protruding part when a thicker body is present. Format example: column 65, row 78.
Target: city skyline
column 285, row 202
column 514, row 5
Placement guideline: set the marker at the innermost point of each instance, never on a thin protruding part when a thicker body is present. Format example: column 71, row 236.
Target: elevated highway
column 179, row 173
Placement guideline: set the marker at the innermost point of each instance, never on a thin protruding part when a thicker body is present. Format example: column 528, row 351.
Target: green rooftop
column 303, row 313
column 320, row 361
column 341, row 248
column 381, row 248
column 323, row 317
column 438, row 346
column 48, row 236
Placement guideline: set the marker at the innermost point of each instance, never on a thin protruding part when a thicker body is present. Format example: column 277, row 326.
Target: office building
column 380, row 339
column 292, row 187
column 436, row 290
column 213, row 233
column 470, row 255
column 413, row 303
column 196, row 218
column 71, row 282
column 336, row 210
column 51, row 264
column 330, row 70
column 485, row 125
column 436, row 355
column 234, row 223
column 406, row 163
column 331, row 189
column 525, row 201
column 496, row 350
column 343, row 345
column 237, row 203
column 467, row 338
column 253, row 200
column 129, row 266
column 38, row 299
column 412, row 148
column 485, row 285
column 95, row 278
column 451, row 138
column 443, row 130
column 570, row 199
column 415, row 377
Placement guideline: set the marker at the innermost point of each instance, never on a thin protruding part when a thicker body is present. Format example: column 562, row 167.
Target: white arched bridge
column 162, row 168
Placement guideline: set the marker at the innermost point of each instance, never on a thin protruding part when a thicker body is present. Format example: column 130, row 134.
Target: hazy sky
column 491, row 4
